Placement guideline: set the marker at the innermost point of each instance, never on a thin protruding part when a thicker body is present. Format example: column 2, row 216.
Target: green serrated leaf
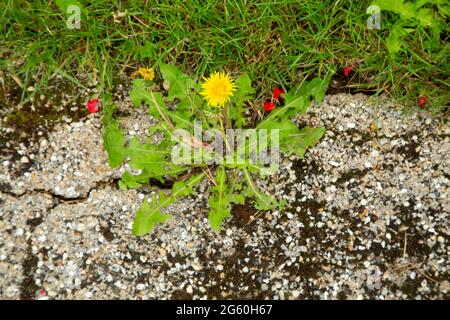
column 244, row 90
column 297, row 142
column 410, row 12
column 128, row 181
column 146, row 156
column 405, row 10
column 139, row 93
column 263, row 201
column 157, row 127
column 243, row 93
column 147, row 216
column 64, row 4
column 294, row 103
column 219, row 202
column 285, row 127
column 292, row 139
column 221, row 199
column 182, row 188
column 189, row 103
column 425, row 17
column 315, row 88
column 235, row 198
column 147, row 50
column 298, row 100
column 155, row 159
column 122, row 186
column 155, row 101
column 114, row 143
column 182, row 119
column 108, row 109
column 445, row 10
column 180, row 85
column 393, row 42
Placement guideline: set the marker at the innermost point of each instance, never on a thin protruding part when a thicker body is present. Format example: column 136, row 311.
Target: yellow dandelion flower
column 217, row 89
column 146, row 73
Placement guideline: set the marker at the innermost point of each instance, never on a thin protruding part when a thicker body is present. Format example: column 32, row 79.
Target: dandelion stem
column 224, row 135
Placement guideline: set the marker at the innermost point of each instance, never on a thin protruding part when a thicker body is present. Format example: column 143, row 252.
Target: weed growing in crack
column 206, row 140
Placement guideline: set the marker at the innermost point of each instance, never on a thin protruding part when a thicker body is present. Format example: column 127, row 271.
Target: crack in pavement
column 28, row 289
column 60, row 198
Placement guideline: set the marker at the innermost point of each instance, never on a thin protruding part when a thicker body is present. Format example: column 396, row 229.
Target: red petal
column 422, row 101
column 348, row 69
column 269, row 106
column 277, row 92
column 92, row 106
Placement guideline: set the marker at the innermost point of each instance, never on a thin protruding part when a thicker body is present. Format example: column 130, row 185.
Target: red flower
column 277, row 92
column 92, row 106
column 422, row 101
column 269, row 106
column 348, row 69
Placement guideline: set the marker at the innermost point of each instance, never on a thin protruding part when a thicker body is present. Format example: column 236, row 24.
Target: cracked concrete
column 65, row 227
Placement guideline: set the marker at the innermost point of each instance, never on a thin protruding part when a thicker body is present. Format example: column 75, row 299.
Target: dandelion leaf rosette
column 229, row 183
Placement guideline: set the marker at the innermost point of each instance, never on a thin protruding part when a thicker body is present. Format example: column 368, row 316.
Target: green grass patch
column 278, row 43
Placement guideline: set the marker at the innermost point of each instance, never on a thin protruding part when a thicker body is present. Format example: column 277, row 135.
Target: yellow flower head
column 146, row 73
column 217, row 89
